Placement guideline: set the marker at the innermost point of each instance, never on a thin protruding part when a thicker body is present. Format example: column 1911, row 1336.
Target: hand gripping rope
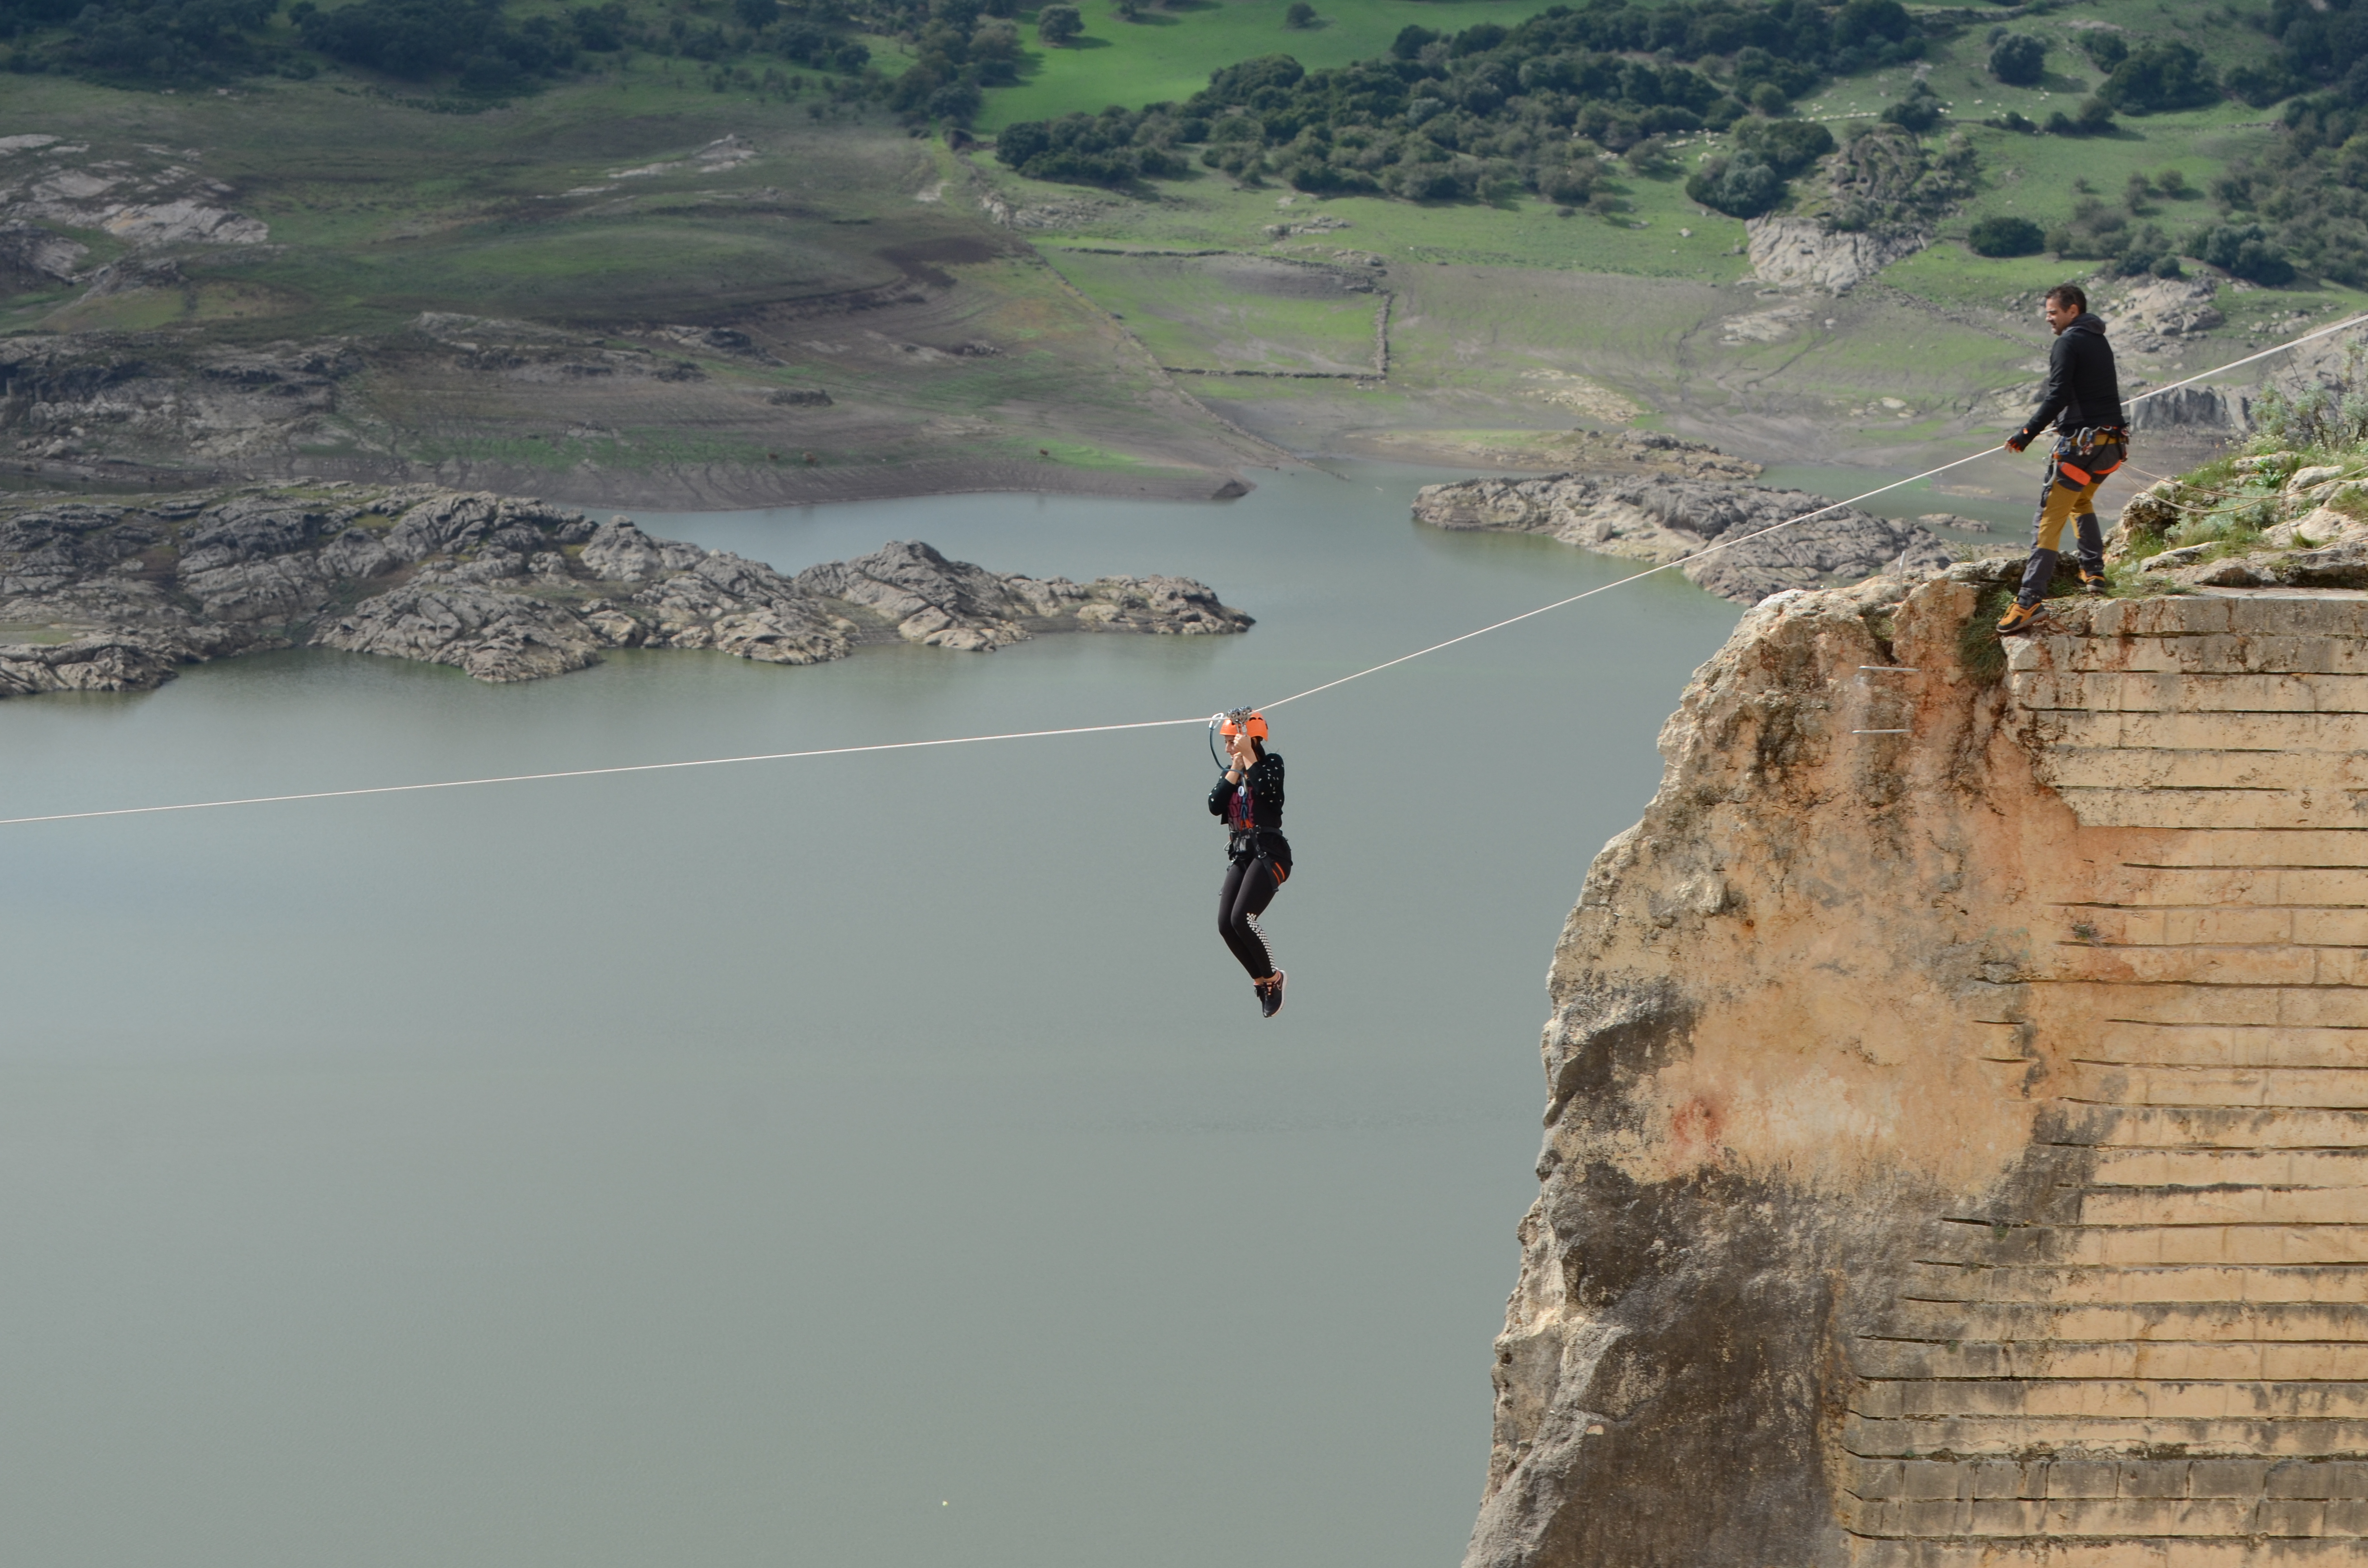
column 1214, row 721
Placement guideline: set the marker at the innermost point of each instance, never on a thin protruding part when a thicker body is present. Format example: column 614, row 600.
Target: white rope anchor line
column 598, row 772
column 1105, row 729
column 1789, row 522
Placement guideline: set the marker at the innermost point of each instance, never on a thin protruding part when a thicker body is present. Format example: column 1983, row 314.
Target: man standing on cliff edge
column 2083, row 397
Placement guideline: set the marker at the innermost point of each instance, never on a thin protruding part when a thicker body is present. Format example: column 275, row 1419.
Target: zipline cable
column 598, row 772
column 1774, row 527
column 1141, row 725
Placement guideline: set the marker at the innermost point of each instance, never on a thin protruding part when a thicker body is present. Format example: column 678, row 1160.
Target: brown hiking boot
column 2020, row 619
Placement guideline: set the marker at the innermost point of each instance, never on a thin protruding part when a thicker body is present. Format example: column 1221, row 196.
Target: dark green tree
column 1998, row 236
column 1056, row 25
column 2157, row 76
column 2247, row 251
column 2018, row 60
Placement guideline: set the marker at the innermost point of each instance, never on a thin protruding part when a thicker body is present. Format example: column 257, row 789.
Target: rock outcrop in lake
column 113, row 596
column 1954, row 1150
column 1670, row 520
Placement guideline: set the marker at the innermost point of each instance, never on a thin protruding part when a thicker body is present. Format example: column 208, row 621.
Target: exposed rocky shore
column 1664, row 519
column 113, row 597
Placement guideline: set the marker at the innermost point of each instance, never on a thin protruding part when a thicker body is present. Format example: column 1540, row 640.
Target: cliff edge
column 1957, row 1128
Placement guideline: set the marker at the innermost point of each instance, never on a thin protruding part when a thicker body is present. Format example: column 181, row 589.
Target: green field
column 833, row 245
column 1659, row 233
column 1508, row 322
column 1167, row 55
column 1235, row 314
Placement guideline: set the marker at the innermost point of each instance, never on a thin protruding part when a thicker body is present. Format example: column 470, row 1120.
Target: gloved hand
column 2017, row 441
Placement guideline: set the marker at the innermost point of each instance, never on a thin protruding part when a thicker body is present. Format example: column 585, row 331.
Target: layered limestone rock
column 1957, row 1135
column 1665, row 519
column 112, row 597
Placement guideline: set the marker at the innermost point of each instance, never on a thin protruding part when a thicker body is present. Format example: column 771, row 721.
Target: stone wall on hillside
column 1955, row 1151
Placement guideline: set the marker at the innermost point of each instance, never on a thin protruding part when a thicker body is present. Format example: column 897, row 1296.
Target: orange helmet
column 1241, row 720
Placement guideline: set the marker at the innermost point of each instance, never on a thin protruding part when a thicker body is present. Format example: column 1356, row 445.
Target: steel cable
column 1141, row 724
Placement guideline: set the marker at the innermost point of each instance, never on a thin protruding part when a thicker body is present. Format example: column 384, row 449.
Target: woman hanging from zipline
column 1249, row 798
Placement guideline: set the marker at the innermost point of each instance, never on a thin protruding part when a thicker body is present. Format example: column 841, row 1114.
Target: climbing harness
column 2083, row 444
column 1709, row 549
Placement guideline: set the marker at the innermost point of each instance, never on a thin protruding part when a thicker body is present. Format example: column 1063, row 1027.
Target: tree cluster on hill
column 140, row 39
column 1768, row 153
column 417, row 39
column 1117, row 146
column 962, row 48
column 1885, row 177
column 1494, row 109
column 2306, row 193
column 472, row 42
column 2324, row 43
column 2157, row 76
column 2141, row 233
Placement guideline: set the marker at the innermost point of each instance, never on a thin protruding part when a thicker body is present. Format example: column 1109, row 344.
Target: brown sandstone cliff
column 1955, row 1149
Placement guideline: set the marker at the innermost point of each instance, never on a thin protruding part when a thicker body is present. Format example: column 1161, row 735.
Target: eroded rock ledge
column 1669, row 519
column 113, row 597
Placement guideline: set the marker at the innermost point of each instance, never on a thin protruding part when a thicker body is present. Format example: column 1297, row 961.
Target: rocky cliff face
column 1954, row 1150
column 112, row 597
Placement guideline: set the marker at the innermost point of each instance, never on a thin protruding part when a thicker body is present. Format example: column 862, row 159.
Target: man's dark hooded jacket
column 2082, row 390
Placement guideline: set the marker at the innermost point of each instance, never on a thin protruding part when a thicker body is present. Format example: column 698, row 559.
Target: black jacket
column 1264, row 781
column 2082, row 390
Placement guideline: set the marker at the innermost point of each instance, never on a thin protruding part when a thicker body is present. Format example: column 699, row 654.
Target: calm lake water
column 868, row 1162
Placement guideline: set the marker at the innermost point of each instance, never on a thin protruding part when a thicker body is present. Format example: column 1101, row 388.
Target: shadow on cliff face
column 1716, row 1291
column 1682, row 1423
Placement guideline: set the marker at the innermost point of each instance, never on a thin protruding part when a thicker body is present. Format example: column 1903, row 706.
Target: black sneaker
column 1270, row 992
column 2092, row 587
column 2020, row 619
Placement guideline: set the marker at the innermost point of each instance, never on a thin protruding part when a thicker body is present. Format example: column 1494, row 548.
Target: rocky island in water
column 1677, row 514
column 113, row 596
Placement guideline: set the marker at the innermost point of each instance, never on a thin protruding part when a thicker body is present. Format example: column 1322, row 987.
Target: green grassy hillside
column 714, row 167
column 1168, row 54
column 586, row 223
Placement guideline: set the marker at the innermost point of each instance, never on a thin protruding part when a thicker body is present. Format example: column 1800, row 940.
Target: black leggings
column 1249, row 887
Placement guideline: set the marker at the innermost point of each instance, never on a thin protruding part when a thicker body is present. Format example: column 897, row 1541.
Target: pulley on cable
column 1233, row 721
